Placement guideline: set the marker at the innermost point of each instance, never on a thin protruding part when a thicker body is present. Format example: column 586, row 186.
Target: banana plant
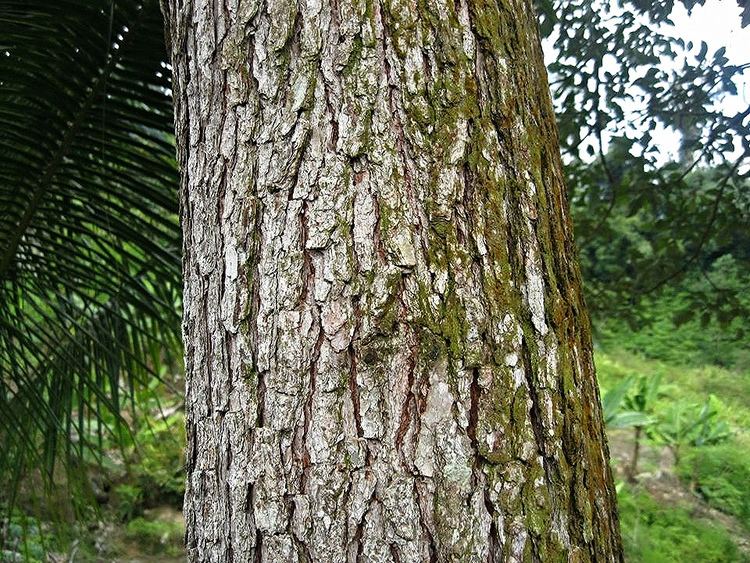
column 694, row 425
column 630, row 405
column 616, row 413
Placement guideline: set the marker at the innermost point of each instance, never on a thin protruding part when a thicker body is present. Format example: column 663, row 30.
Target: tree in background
column 644, row 226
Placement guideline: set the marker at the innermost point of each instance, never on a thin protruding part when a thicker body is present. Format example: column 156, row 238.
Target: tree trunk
column 632, row 469
column 388, row 356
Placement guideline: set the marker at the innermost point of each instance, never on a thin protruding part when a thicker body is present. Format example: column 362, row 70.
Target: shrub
column 22, row 539
column 721, row 475
column 157, row 463
column 686, row 424
column 129, row 501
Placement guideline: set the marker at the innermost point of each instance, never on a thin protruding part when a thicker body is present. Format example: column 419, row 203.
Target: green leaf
column 89, row 234
column 629, row 419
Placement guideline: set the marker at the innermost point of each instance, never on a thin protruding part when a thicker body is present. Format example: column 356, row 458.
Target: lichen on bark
column 387, row 352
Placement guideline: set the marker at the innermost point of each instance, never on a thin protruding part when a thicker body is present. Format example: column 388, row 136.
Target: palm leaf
column 89, row 238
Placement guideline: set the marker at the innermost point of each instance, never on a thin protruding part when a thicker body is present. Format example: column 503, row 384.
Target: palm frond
column 89, row 238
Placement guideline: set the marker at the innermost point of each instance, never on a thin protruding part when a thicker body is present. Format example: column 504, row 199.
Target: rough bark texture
column 387, row 352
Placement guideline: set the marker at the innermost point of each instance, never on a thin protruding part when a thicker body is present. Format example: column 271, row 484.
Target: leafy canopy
column 644, row 225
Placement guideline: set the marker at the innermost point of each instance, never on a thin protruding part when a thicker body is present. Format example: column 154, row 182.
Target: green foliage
column 703, row 412
column 684, row 424
column 151, row 472
column 657, row 533
column 157, row 462
column 128, row 500
column 139, row 494
column 158, row 537
column 89, row 238
column 671, row 328
column 686, row 384
column 721, row 474
column 647, row 391
column 22, row 539
column 642, row 401
column 642, row 224
column 616, row 413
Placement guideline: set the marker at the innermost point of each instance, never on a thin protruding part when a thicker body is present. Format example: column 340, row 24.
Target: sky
column 718, row 24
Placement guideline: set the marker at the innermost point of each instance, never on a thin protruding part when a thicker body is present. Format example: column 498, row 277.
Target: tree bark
column 387, row 352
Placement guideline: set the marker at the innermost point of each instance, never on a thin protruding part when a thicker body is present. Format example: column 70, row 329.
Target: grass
column 717, row 476
column 721, row 475
column 657, row 533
